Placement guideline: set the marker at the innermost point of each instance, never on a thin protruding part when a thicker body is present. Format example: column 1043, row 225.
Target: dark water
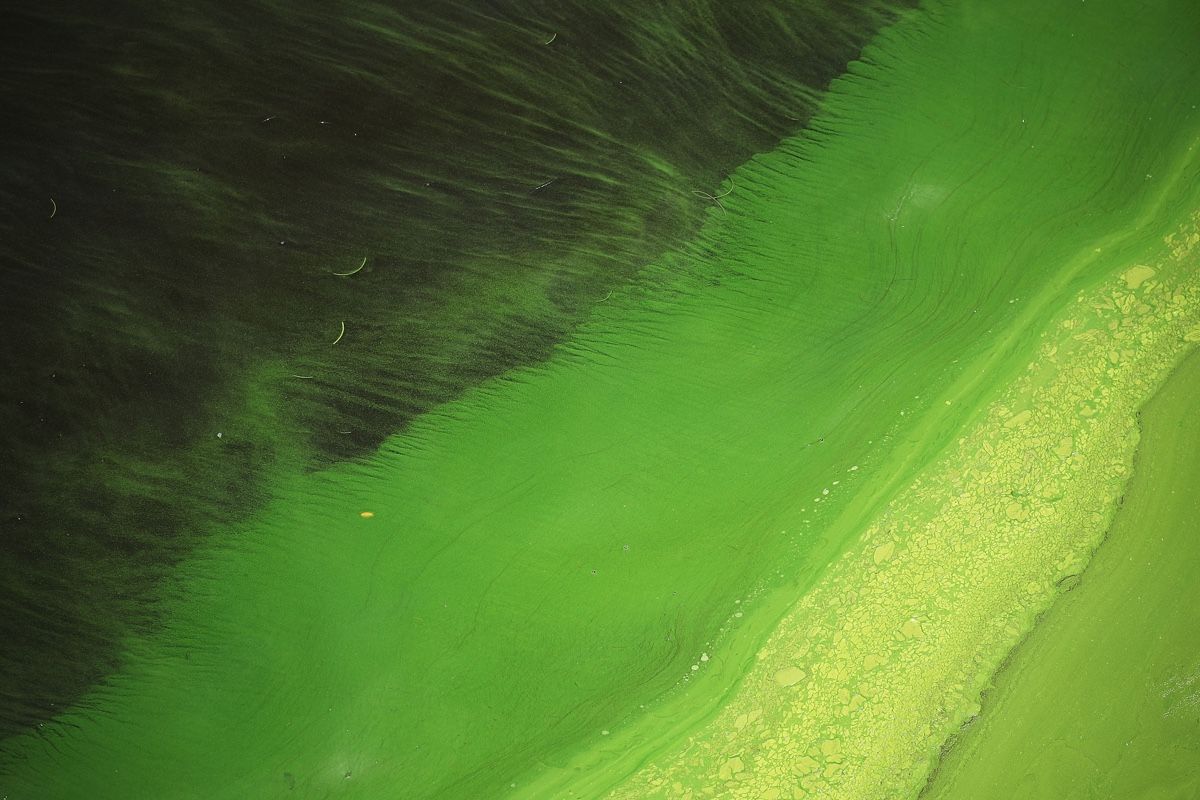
column 181, row 187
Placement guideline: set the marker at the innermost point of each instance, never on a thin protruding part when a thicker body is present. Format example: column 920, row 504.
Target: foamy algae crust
column 1102, row 699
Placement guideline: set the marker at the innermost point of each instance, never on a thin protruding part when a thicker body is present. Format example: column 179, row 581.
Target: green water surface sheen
column 1103, row 698
column 589, row 552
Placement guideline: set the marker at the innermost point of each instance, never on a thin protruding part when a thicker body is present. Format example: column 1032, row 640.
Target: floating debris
column 353, row 271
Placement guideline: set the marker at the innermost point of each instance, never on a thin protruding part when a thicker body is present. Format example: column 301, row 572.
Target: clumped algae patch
column 1102, row 699
column 857, row 688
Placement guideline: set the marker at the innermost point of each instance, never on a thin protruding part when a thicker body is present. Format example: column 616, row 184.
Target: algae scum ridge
column 648, row 413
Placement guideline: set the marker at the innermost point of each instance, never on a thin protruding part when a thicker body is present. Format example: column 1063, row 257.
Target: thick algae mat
column 767, row 524
column 1103, row 698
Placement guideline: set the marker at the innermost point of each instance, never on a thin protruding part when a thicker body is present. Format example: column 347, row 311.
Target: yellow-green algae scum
column 1102, row 699
column 820, row 472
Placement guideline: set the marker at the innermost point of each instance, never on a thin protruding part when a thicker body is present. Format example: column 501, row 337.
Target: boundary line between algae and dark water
column 346, row 386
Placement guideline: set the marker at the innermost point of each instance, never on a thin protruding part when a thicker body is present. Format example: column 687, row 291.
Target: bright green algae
column 1103, row 698
column 559, row 548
